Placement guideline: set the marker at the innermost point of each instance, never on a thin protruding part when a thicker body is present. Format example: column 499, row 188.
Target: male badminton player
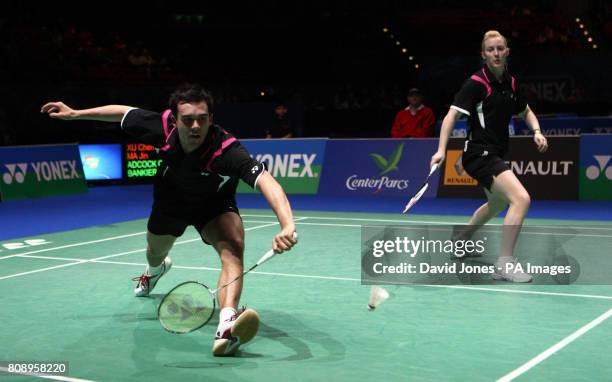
column 196, row 185
column 489, row 98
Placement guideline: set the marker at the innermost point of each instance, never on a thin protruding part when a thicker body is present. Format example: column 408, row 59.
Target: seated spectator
column 416, row 120
column 280, row 124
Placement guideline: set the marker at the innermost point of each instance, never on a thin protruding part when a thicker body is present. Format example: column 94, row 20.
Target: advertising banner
column 549, row 175
column 454, row 181
column 378, row 167
column 295, row 163
column 33, row 171
column 595, row 167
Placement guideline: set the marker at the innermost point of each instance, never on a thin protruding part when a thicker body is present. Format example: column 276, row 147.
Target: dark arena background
column 75, row 196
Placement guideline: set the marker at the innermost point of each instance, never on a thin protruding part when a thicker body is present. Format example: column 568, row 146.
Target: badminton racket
column 421, row 190
column 190, row 305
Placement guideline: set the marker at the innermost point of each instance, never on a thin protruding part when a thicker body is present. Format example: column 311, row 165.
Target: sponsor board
column 454, row 181
column 549, row 175
column 296, row 164
column 381, row 167
column 595, row 167
column 33, row 171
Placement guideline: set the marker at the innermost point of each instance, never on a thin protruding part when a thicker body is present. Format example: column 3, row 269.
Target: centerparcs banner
column 296, row 164
column 34, row 171
column 378, row 167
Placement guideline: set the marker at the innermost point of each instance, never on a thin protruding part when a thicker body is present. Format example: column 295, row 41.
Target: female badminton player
column 489, row 98
column 196, row 185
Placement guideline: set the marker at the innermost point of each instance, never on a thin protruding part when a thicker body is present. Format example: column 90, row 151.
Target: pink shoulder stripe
column 485, row 74
column 513, row 84
column 217, row 153
column 476, row 78
column 165, row 116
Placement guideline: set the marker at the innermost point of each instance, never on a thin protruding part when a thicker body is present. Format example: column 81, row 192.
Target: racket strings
column 186, row 308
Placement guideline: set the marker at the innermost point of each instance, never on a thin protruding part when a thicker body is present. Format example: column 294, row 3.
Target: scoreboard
column 141, row 160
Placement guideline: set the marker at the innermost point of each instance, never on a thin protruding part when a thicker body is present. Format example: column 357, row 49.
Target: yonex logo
column 44, row 171
column 289, row 165
column 388, row 165
column 593, row 172
column 17, row 172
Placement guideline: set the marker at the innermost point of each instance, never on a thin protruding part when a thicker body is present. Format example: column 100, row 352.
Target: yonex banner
column 33, row 171
column 295, row 163
column 378, row 167
column 596, row 167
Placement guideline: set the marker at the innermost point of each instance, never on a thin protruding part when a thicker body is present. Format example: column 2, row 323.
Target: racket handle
column 433, row 168
column 270, row 254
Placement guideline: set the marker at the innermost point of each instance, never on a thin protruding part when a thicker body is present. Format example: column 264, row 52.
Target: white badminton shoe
column 512, row 271
column 234, row 332
column 147, row 282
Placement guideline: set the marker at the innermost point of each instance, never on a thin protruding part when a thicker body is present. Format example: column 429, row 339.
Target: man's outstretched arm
column 108, row 113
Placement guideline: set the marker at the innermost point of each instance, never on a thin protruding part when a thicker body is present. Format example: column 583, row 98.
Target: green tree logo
column 388, row 165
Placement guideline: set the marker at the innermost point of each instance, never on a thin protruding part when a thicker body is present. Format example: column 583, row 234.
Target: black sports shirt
column 489, row 105
column 193, row 180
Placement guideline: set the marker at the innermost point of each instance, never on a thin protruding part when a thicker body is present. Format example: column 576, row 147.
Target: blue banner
column 378, row 167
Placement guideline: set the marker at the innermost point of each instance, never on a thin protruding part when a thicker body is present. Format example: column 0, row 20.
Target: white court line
column 555, row 348
column 74, row 245
column 107, row 239
column 417, row 228
column 107, row 257
column 461, row 287
column 46, row 376
column 425, row 221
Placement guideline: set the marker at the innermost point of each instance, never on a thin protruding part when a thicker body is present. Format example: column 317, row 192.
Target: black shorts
column 483, row 166
column 166, row 219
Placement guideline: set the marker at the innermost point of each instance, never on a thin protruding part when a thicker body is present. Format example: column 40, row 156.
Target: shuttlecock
column 377, row 296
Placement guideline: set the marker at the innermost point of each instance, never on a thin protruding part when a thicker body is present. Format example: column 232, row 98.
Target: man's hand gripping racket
column 190, row 305
column 421, row 189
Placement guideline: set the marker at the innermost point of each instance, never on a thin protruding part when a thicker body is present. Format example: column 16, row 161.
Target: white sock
column 505, row 259
column 226, row 314
column 154, row 271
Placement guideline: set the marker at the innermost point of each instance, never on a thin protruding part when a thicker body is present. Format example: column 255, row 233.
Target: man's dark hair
column 188, row 92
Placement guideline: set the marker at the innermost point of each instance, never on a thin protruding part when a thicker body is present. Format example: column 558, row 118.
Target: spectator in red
column 416, row 120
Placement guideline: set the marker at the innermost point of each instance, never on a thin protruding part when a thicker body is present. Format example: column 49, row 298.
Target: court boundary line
column 297, row 220
column 74, row 244
column 555, row 348
column 105, row 239
column 422, row 221
column 46, row 376
column 106, row 257
column 479, row 231
column 462, row 287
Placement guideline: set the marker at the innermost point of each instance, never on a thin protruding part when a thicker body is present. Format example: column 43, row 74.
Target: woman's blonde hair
column 491, row 34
